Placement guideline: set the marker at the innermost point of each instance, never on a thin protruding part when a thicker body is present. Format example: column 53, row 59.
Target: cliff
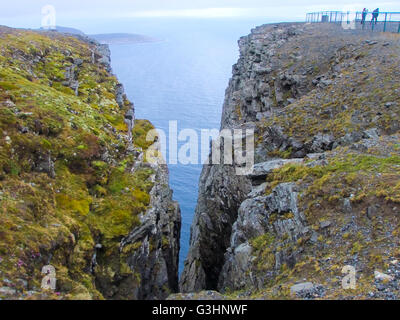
column 324, row 193
column 76, row 191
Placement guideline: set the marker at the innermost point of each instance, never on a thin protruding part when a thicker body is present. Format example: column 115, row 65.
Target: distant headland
column 109, row 38
column 122, row 38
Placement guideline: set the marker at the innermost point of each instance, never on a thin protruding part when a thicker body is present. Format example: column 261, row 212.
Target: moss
column 165, row 242
column 118, row 182
column 8, row 118
column 263, row 241
column 357, row 246
column 281, row 154
column 80, row 206
column 63, row 89
column 8, row 86
column 139, row 134
column 348, row 167
column 114, row 219
column 131, row 248
column 89, row 201
column 265, row 256
column 238, row 112
column 117, row 121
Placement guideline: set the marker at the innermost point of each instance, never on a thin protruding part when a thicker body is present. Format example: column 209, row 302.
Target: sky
column 27, row 13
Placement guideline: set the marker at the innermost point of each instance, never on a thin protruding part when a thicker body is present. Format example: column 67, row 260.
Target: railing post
column 384, row 26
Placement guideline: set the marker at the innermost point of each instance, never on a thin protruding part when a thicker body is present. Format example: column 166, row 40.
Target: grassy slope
column 60, row 219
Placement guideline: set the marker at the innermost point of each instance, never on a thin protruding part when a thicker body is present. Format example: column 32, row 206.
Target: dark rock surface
column 324, row 102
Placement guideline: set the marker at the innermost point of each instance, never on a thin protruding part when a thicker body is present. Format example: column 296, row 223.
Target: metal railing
column 385, row 22
column 326, row 16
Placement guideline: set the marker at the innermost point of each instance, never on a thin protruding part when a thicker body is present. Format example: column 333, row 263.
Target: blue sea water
column 181, row 78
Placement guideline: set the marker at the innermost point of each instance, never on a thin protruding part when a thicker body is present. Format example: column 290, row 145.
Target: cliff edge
column 76, row 191
column 324, row 194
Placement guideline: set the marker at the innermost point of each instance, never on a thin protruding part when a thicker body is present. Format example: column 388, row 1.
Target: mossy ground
column 92, row 199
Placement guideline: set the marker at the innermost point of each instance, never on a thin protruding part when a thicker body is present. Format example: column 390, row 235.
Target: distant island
column 108, row 38
column 122, row 38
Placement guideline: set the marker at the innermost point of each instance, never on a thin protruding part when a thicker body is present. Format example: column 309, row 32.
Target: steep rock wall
column 324, row 103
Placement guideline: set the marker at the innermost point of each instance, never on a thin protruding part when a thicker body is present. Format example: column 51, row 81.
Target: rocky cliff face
column 325, row 107
column 76, row 191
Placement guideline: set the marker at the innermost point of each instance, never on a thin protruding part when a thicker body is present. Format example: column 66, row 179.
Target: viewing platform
column 386, row 21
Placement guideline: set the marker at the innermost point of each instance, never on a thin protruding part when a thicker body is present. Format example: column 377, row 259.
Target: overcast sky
column 26, row 13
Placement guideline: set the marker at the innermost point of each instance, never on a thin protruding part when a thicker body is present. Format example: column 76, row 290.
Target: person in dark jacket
column 375, row 15
column 364, row 16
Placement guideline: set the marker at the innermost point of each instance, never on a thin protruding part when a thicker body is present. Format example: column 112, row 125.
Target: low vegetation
column 66, row 182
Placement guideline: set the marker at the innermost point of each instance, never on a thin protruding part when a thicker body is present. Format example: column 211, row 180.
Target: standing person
column 375, row 15
column 364, row 16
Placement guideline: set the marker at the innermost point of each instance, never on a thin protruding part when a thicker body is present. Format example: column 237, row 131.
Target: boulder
column 382, row 276
column 302, row 288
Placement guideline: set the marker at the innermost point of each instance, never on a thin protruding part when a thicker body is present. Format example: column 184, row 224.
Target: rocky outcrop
column 160, row 228
column 325, row 107
column 151, row 250
column 258, row 216
column 71, row 75
column 216, row 212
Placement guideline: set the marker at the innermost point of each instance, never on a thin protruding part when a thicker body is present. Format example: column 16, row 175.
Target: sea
column 182, row 77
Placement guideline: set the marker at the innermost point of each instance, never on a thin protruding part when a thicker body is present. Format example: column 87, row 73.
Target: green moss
column 7, row 117
column 264, row 252
column 59, row 87
column 90, row 200
column 80, row 207
column 348, row 167
column 131, row 247
column 165, row 242
column 139, row 134
column 263, row 241
column 8, row 86
column 286, row 154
